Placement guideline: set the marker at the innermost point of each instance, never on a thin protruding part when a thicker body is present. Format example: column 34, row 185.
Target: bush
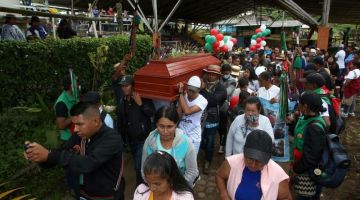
column 31, row 75
column 28, row 67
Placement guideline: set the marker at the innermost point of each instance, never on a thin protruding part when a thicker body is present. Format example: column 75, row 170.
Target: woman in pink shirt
column 252, row 175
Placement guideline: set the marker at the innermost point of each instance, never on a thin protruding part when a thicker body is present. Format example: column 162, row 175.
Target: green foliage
column 38, row 66
column 98, row 60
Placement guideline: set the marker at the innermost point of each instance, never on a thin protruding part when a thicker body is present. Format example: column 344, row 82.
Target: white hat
column 194, row 81
column 260, row 70
column 312, row 50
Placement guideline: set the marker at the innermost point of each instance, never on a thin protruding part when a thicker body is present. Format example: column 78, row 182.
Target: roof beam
column 298, row 12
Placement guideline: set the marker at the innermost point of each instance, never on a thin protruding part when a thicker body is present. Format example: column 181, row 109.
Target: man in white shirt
column 340, row 59
column 190, row 109
column 267, row 90
column 94, row 98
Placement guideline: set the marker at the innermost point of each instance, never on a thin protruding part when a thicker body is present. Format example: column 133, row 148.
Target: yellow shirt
column 151, row 197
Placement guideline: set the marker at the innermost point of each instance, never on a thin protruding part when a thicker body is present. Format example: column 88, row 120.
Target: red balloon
column 219, row 37
column 234, row 40
column 258, row 30
column 257, row 46
column 216, row 45
column 217, row 49
column 224, row 48
column 214, row 32
column 263, row 38
column 253, row 48
column 234, row 102
column 258, row 40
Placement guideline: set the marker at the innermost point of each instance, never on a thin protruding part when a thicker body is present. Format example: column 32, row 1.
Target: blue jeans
column 208, row 140
column 136, row 151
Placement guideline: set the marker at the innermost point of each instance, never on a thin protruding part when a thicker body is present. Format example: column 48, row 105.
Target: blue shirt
column 249, row 188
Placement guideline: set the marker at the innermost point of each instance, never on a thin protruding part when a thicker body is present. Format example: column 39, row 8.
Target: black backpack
column 334, row 163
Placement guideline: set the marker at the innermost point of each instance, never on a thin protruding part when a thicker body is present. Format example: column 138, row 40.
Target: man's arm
column 185, row 108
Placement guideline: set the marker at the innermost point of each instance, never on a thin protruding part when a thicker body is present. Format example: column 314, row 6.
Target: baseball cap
column 126, row 80
column 313, row 101
column 194, row 83
column 91, row 97
column 258, row 146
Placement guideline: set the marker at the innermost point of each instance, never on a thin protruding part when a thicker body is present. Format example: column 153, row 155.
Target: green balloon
column 208, row 47
column 253, row 37
column 267, row 31
column 207, row 38
column 212, row 39
column 259, row 35
column 226, row 39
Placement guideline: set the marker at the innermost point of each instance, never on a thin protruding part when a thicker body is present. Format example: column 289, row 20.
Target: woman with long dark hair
column 249, row 73
column 163, row 180
column 167, row 137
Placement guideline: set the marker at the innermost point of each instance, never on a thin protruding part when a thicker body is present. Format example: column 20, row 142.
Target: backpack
column 334, row 163
column 337, row 124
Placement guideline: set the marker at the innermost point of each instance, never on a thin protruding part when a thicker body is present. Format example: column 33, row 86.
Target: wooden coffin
column 159, row 79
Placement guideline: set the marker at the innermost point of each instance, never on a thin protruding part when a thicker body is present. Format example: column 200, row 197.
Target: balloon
column 263, row 43
column 263, row 38
column 258, row 40
column 257, row 30
column 257, row 46
column 234, row 40
column 262, row 27
column 216, row 44
column 208, row 47
column 261, row 48
column 253, row 37
column 226, row 39
column 230, row 44
column 259, row 35
column 212, row 39
column 207, row 38
column 221, row 43
column 267, row 31
column 224, row 48
column 217, row 49
column 214, row 32
column 219, row 37
column 253, row 48
column 253, row 42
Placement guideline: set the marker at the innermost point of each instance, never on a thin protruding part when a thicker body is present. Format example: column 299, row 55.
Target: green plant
column 98, row 60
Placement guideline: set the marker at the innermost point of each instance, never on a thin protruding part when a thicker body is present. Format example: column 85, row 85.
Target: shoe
column 221, row 149
column 344, row 115
column 352, row 114
column 206, row 167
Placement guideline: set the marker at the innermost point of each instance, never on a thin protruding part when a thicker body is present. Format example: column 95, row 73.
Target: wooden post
column 53, row 27
column 323, row 37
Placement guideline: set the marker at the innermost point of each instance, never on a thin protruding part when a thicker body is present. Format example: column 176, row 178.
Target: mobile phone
column 26, row 145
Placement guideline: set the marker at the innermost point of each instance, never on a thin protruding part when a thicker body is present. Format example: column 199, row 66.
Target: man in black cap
column 134, row 114
column 319, row 67
column 94, row 98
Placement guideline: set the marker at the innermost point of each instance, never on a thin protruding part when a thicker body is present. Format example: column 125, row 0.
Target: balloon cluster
column 217, row 42
column 258, row 40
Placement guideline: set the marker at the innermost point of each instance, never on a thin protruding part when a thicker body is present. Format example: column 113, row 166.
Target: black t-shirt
column 61, row 110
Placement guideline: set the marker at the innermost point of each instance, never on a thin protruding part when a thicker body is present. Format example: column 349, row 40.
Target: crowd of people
column 165, row 141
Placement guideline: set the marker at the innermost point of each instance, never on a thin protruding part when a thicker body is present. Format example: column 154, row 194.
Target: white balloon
column 263, row 27
column 230, row 48
column 263, row 43
column 230, row 44
column 253, row 42
column 221, row 43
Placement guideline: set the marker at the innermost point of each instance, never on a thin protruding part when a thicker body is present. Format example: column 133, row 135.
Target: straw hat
column 235, row 70
column 215, row 69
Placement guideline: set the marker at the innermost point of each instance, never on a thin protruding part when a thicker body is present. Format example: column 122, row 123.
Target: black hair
column 243, row 96
column 82, row 107
column 308, row 72
column 164, row 165
column 226, row 56
column 234, row 57
column 225, row 67
column 67, row 81
column 266, row 75
column 243, row 82
column 252, row 73
column 9, row 17
column 168, row 113
column 356, row 64
column 256, row 101
column 34, row 19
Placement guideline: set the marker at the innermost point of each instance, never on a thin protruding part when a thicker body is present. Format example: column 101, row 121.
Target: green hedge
column 38, row 67
column 28, row 67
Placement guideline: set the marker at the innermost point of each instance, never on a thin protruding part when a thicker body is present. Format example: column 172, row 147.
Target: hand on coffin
column 137, row 98
column 181, row 87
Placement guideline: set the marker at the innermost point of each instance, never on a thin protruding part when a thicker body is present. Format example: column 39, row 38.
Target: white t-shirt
column 238, row 132
column 191, row 124
column 353, row 74
column 340, row 58
column 272, row 92
column 237, row 92
column 325, row 105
